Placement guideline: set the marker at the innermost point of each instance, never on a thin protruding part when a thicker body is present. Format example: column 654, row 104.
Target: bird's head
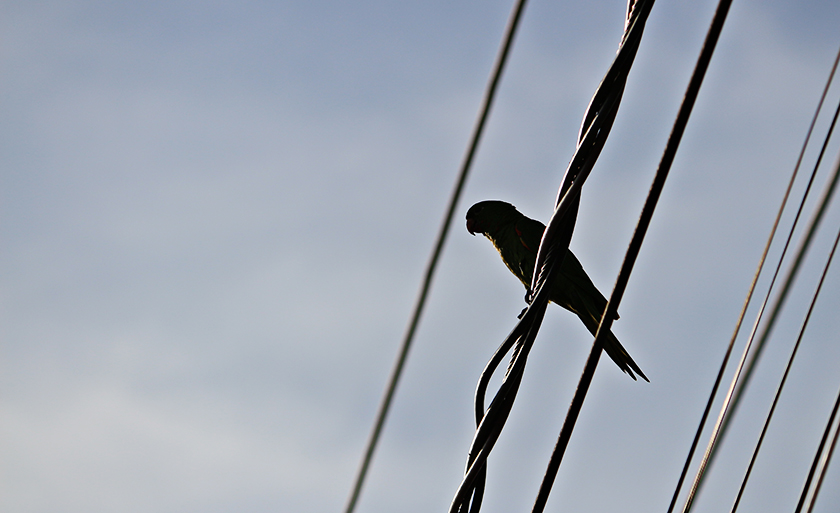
column 485, row 217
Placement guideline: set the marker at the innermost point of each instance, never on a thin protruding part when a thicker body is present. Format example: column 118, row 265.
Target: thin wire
column 735, row 378
column 787, row 370
column 789, row 278
column 807, row 485
column 826, row 460
column 740, row 320
column 634, row 247
column 501, row 58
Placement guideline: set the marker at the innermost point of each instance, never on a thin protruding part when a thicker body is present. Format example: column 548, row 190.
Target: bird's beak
column 471, row 226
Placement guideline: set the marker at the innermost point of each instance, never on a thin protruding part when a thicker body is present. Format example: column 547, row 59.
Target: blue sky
column 214, row 218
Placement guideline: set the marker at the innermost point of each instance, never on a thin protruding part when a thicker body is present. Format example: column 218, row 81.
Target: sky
column 215, row 216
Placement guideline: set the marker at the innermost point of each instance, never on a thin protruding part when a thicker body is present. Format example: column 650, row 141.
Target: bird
column 517, row 238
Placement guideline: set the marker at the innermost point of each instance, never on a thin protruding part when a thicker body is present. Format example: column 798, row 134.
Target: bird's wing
column 529, row 233
column 589, row 293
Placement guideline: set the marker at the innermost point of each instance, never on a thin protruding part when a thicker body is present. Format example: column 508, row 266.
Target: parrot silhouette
column 517, row 239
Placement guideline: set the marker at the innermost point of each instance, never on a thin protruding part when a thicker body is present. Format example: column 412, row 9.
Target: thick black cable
column 787, row 369
column 635, row 245
column 468, row 497
column 741, row 315
column 596, row 126
column 501, row 58
column 790, row 277
column 727, row 401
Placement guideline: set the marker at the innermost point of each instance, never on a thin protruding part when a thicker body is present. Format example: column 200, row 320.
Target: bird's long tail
column 616, row 351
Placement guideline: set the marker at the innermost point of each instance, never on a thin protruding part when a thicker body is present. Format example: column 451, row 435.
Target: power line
column 790, row 277
column 385, row 405
column 595, row 128
column 728, row 400
column 635, row 245
column 826, row 459
column 806, row 488
column 793, row 353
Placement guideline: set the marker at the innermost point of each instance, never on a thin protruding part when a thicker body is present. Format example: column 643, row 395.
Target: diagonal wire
column 813, row 469
column 492, row 86
column 594, row 130
column 789, row 364
column 727, row 401
column 827, row 457
column 789, row 278
column 634, row 247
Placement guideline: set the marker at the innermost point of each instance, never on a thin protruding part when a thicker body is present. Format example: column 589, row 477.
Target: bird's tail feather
column 616, row 351
column 620, row 356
